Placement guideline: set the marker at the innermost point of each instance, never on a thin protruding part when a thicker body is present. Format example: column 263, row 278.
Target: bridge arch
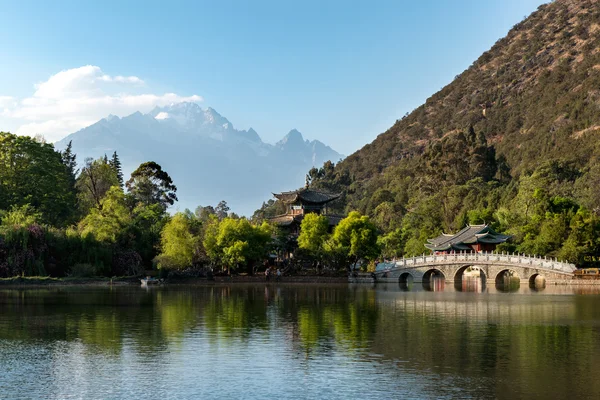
column 458, row 275
column 508, row 280
column 406, row 278
column 507, row 272
column 434, row 280
column 537, row 281
column 470, row 278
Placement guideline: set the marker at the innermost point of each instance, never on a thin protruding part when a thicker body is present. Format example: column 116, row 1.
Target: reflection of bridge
column 493, row 267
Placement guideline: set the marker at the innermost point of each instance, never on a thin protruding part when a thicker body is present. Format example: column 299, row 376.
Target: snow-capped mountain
column 208, row 159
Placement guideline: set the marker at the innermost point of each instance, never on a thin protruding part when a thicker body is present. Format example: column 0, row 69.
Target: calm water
column 298, row 342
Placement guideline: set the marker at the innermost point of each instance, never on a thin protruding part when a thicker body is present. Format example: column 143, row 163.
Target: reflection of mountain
column 207, row 157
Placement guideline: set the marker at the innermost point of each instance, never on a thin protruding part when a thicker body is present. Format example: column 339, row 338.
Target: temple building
column 473, row 238
column 301, row 202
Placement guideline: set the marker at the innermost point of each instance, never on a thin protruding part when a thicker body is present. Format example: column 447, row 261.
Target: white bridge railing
column 484, row 258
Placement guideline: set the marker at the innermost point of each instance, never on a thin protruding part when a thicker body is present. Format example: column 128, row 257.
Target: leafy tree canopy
column 149, row 184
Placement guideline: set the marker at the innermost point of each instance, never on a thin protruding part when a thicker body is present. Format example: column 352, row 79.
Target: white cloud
column 6, row 100
column 75, row 98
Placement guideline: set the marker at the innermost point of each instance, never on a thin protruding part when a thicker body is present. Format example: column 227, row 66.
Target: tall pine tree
column 116, row 164
column 70, row 160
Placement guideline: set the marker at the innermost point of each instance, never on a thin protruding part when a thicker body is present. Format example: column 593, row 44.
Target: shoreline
column 135, row 281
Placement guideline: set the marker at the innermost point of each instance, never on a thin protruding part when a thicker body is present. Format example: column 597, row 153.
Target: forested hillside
column 512, row 141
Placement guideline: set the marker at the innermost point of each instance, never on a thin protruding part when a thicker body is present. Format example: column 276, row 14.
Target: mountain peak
column 293, row 138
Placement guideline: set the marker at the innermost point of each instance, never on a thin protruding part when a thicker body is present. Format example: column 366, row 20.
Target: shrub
column 83, row 271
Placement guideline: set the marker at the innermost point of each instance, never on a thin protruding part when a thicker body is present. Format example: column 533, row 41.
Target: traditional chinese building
column 301, row 202
column 472, row 238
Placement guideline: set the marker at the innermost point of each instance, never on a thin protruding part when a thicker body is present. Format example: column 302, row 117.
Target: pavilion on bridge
column 472, row 239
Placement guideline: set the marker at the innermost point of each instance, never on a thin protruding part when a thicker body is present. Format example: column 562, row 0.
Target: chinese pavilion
column 472, row 238
column 301, row 202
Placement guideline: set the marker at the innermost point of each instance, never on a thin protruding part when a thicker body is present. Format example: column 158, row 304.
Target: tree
column 34, row 173
column 204, row 213
column 268, row 210
column 236, row 242
column 392, row 244
column 106, row 223
column 149, row 184
column 95, row 180
column 23, row 216
column 355, row 237
column 313, row 234
column 177, row 243
column 115, row 163
column 222, row 209
column 70, row 161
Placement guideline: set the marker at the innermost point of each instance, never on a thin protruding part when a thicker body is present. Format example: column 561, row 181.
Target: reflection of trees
column 101, row 318
column 231, row 312
column 320, row 315
column 512, row 341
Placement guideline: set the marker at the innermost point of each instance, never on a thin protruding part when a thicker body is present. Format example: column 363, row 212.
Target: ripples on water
column 298, row 342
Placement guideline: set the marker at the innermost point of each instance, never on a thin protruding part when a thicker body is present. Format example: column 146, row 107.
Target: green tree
column 33, row 173
column 355, row 237
column 115, row 163
column 178, row 244
column 107, row 223
column 234, row 243
column 94, row 182
column 70, row 161
column 149, row 184
column 222, row 209
column 23, row 216
column 314, row 231
column 392, row 244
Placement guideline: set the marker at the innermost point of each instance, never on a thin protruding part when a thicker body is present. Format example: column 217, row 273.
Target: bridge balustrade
column 501, row 258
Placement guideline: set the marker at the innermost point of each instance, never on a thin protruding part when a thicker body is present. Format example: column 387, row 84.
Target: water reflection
column 434, row 281
column 470, row 279
column 508, row 281
column 300, row 341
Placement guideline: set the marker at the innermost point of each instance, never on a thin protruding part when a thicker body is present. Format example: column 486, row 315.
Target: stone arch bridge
column 492, row 267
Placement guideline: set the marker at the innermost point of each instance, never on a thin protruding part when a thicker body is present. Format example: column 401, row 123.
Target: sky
column 338, row 71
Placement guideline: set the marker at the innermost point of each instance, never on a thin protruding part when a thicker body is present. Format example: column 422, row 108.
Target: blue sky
column 338, row 71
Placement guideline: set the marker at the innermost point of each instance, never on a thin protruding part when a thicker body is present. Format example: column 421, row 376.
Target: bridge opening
column 508, row 281
column 537, row 282
column 470, row 278
column 406, row 281
column 434, row 280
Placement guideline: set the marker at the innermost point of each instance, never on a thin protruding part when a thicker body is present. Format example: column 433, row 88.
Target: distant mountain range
column 208, row 159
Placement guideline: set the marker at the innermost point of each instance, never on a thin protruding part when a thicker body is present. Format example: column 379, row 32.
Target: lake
column 291, row 341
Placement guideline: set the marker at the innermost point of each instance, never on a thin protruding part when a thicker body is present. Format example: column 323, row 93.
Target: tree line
column 59, row 219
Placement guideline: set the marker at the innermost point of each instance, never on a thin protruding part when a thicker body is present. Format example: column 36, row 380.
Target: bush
column 83, row 271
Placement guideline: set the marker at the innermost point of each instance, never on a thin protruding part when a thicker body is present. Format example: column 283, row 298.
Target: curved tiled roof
column 306, row 196
column 470, row 234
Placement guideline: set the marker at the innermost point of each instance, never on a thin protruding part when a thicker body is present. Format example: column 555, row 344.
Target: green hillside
column 513, row 141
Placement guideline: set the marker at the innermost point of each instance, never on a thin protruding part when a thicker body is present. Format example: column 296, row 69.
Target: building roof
column 306, row 195
column 289, row 219
column 471, row 234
